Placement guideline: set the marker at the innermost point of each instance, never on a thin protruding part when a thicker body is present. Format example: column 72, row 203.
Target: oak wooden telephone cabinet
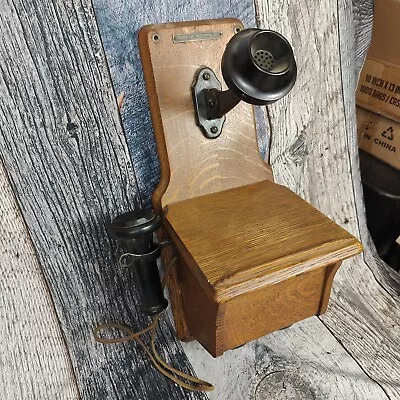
column 253, row 257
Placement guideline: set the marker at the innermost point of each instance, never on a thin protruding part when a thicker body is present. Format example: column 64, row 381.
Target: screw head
column 214, row 129
column 206, row 76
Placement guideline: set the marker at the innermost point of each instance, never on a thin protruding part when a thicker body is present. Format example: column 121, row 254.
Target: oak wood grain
column 261, row 233
column 264, row 268
column 32, row 345
column 192, row 164
column 119, row 22
column 267, row 309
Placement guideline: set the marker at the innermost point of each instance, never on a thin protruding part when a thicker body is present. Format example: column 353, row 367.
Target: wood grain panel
column 32, row 345
column 191, row 164
column 199, row 311
column 265, row 311
column 65, row 152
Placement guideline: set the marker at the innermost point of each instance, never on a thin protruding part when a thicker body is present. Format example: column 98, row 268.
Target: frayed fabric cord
column 167, row 370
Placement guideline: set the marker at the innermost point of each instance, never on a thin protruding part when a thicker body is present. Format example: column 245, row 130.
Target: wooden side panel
column 32, row 346
column 200, row 311
column 330, row 273
column 255, row 314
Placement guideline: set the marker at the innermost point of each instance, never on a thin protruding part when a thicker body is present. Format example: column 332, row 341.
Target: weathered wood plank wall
column 362, row 16
column 64, row 150
column 247, row 357
column 32, row 346
column 315, row 154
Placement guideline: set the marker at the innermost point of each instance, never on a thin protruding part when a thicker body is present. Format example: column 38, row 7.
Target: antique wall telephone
column 251, row 256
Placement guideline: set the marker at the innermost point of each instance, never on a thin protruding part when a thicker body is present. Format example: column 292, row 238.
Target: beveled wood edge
column 155, row 116
column 189, row 261
column 351, row 246
column 260, row 280
column 221, row 293
column 326, row 291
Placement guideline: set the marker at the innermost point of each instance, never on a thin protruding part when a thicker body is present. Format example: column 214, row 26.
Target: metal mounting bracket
column 206, row 79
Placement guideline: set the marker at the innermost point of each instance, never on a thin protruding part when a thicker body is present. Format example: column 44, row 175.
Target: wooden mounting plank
column 65, row 152
column 191, row 164
column 32, row 345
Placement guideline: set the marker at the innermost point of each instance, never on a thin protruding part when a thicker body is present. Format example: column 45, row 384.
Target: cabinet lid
column 247, row 237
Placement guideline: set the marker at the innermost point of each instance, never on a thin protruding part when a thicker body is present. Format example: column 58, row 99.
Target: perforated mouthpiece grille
column 264, row 60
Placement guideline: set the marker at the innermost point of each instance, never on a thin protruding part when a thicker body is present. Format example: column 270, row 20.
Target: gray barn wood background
column 68, row 166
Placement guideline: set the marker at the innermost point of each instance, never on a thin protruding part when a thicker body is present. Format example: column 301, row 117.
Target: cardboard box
column 379, row 136
column 378, row 89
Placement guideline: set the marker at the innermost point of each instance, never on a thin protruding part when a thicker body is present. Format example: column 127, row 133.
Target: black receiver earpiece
column 258, row 66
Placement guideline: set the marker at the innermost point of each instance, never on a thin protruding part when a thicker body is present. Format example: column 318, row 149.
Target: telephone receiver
column 135, row 230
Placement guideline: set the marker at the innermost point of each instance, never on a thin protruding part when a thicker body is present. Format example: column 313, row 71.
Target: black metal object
column 219, row 102
column 134, row 230
column 381, row 186
column 204, row 82
column 258, row 67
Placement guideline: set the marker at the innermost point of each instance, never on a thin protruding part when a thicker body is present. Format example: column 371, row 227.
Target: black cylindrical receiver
column 259, row 66
column 135, row 230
